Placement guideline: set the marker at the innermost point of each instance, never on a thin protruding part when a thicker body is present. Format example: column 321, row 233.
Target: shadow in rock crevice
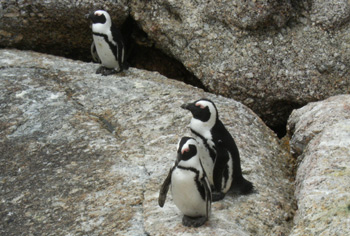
column 280, row 116
column 142, row 54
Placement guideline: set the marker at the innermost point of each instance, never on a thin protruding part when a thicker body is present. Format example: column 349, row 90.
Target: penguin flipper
column 94, row 54
column 208, row 198
column 164, row 189
column 221, row 161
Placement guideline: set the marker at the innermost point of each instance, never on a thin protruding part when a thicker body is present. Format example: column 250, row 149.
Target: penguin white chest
column 207, row 161
column 226, row 183
column 105, row 52
column 185, row 193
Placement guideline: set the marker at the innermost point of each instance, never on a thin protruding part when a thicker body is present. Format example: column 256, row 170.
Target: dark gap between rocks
column 279, row 126
column 142, row 54
column 280, row 130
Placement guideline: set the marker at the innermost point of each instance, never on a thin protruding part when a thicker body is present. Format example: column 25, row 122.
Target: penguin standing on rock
column 108, row 45
column 190, row 187
column 220, row 155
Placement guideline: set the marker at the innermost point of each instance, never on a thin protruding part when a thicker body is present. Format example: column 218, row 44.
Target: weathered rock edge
column 320, row 140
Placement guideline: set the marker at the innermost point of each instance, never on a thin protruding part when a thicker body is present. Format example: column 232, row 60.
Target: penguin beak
column 188, row 106
column 178, row 158
column 89, row 15
column 183, row 106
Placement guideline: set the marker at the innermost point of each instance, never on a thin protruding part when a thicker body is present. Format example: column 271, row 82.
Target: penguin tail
column 242, row 186
column 126, row 65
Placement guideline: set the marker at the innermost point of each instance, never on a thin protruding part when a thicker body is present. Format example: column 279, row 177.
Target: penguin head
column 204, row 111
column 186, row 150
column 100, row 17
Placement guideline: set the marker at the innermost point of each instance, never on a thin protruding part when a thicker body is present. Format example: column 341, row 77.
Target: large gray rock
column 56, row 27
column 273, row 56
column 321, row 137
column 286, row 64
column 83, row 154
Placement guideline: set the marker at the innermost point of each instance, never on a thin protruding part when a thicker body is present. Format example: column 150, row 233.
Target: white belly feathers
column 185, row 194
column 104, row 52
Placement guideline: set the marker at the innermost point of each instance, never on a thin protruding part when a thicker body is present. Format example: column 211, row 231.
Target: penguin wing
column 164, row 189
column 206, row 185
column 221, row 161
column 94, row 54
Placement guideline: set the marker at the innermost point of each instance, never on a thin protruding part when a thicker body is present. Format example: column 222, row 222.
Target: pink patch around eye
column 185, row 150
column 200, row 105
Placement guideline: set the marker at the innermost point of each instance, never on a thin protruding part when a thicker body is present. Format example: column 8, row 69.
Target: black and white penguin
column 108, row 45
column 190, row 187
column 219, row 153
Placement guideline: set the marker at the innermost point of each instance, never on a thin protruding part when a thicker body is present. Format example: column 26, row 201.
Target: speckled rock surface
column 307, row 122
column 83, row 154
column 290, row 62
column 321, row 134
column 251, row 14
column 330, row 14
column 273, row 56
column 56, row 27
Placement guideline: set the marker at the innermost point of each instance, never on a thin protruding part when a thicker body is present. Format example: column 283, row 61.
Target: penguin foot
column 193, row 221
column 217, row 196
column 109, row 72
column 105, row 71
column 99, row 70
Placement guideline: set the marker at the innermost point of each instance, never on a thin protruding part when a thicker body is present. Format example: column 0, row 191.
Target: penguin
column 219, row 152
column 189, row 184
column 108, row 46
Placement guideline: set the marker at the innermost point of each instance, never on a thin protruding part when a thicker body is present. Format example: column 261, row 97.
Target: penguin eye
column 200, row 105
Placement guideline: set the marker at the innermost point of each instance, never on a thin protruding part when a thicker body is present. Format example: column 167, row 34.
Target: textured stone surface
column 330, row 14
column 307, row 122
column 273, row 69
column 251, row 14
column 83, row 154
column 321, row 135
column 273, row 56
column 56, row 27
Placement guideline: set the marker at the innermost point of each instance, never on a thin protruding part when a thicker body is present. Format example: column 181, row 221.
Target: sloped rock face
column 56, row 27
column 321, row 140
column 83, row 154
column 273, row 70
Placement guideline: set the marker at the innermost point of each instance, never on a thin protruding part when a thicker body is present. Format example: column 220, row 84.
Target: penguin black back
column 239, row 183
